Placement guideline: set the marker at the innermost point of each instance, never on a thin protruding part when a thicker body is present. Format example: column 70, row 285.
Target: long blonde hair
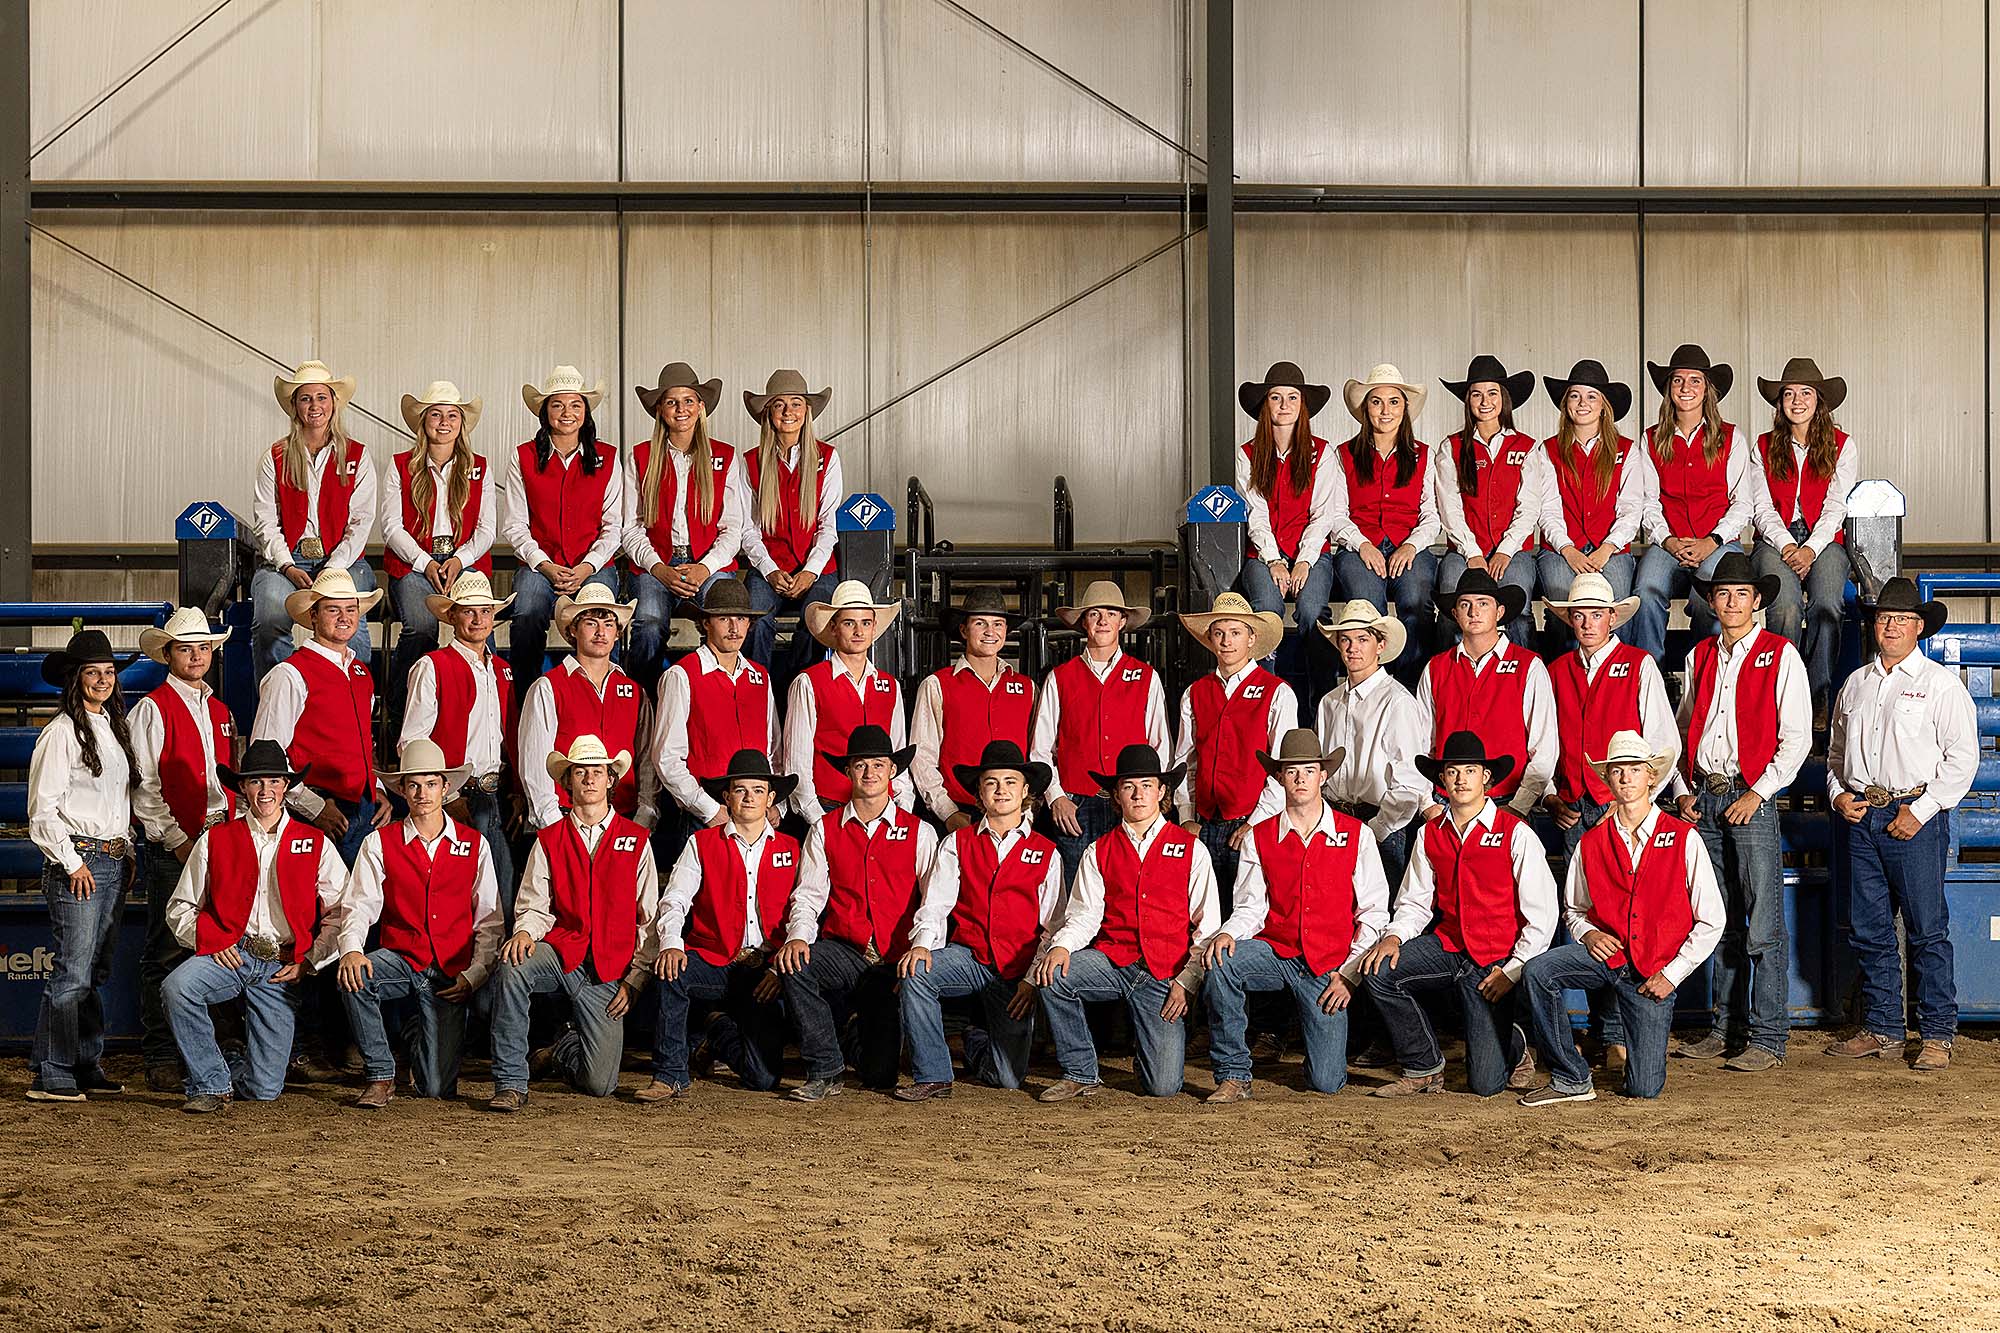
column 1713, row 436
column 767, row 471
column 298, row 454
column 1604, row 459
column 421, row 497
column 701, row 468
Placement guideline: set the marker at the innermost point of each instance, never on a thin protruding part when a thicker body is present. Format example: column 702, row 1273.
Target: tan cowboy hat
column 851, row 595
column 1300, row 745
column 1267, row 626
column 1104, row 595
column 1383, row 376
column 591, row 597
column 422, row 756
column 312, row 372
column 1594, row 590
column 1629, row 747
column 587, row 750
column 441, row 393
column 679, row 375
column 328, row 585
column 1360, row 614
column 783, row 382
column 186, row 625
column 471, row 588
column 563, row 379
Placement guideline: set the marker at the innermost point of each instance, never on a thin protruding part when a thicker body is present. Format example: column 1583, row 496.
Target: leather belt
column 263, row 949
column 1365, row 811
column 1881, row 798
column 442, row 547
column 1720, row 784
column 310, row 548
column 118, row 849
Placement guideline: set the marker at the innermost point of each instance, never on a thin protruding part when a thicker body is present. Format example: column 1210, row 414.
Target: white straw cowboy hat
column 1384, row 376
column 1629, row 747
column 1267, row 627
column 471, row 588
column 1594, row 590
column 851, row 595
column 591, row 597
column 328, row 585
column 312, row 372
column 1104, row 595
column 587, row 750
column 186, row 625
column 1359, row 614
column 781, row 383
column 563, row 379
column 440, row 393
column 423, row 756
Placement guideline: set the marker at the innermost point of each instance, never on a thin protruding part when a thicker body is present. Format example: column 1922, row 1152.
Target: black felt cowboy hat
column 1465, row 747
column 869, row 741
column 998, row 757
column 1482, row 369
column 1804, row 370
column 750, row 764
column 1690, row 356
column 1735, row 568
column 980, row 602
column 1251, row 393
column 1140, row 761
column 724, row 597
column 261, row 759
column 1591, row 375
column 87, row 647
column 679, row 375
column 1900, row 594
column 1478, row 583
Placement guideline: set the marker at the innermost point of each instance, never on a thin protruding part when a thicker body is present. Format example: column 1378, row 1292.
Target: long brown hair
column 1713, row 435
column 78, row 714
column 767, row 470
column 1468, row 452
column 459, row 488
column 701, row 468
column 1822, row 444
column 1264, row 452
column 1362, row 446
column 1604, row 459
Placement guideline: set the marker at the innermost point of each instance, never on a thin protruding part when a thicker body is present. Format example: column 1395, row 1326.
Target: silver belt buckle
column 311, row 548
column 1877, row 796
column 214, row 818
column 488, row 783
column 1717, row 784
column 442, row 547
column 262, row 949
column 871, row 955
column 681, row 555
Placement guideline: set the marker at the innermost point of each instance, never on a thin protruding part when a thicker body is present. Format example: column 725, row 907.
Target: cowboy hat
column 1360, row 614
column 86, row 647
column 1690, row 356
column 312, row 372
column 1251, row 393
column 1300, row 746
column 563, row 379
column 869, row 741
column 261, row 759
column 724, row 597
column 1804, row 370
column 1734, row 568
column 591, row 597
column 1484, row 369
column 980, row 602
column 1268, row 627
column 422, row 756
column 850, row 595
column 330, row 584
column 441, row 393
column 1629, row 747
column 1512, row 598
column 1139, row 761
column 1384, row 376
column 471, row 588
column 1591, row 375
column 186, row 625
column 1003, row 756
column 750, row 764
column 585, row 750
column 1465, row 747
column 1105, row 595
column 1900, row 594
column 679, row 375
column 1594, row 590
column 784, row 382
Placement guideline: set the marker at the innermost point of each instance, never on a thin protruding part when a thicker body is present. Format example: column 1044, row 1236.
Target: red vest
column 594, row 899
column 1491, row 512
column 1694, row 493
column 1228, row 733
column 612, row 717
column 335, row 735
column 336, row 494
column 428, row 902
column 1756, row 701
column 419, row 525
column 974, row 715
column 1384, row 511
column 1311, row 890
column 566, row 504
column 455, row 690
column 1588, row 515
column 715, row 921
column 1146, row 912
column 1098, row 719
column 1589, row 711
column 872, row 881
column 1290, row 509
column 725, row 715
column 837, row 711
column 1801, row 495
column 790, row 539
column 1478, row 902
column 999, row 911
column 185, row 776
column 1493, row 703
column 1649, row 907
column 232, row 886
column 700, row 531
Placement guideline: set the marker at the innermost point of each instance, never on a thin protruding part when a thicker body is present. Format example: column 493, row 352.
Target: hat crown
column 869, row 741
column 563, row 379
column 1231, row 601
column 983, row 601
column 1357, row 614
column 678, row 375
column 264, row 759
column 1690, row 356
column 1734, row 567
column 334, row 582
column 1802, row 370
column 785, row 382
column 1102, row 593
column 1592, row 588
column 1385, row 373
column 749, row 764
column 1462, row 747
column 422, row 755
column 1140, row 761
column 1299, row 745
column 851, row 593
column 1285, row 372
column 187, row 620
column 1001, row 754
column 587, row 749
column 311, row 372
column 1627, row 747
column 593, row 594
column 731, row 594
column 1899, row 594
column 441, row 393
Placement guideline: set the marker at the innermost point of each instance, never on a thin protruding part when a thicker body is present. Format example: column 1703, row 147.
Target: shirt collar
column 277, row 831
column 479, row 656
column 582, row 827
column 709, row 662
column 1742, row 644
column 1644, row 833
column 988, row 830
column 1590, row 660
column 1237, row 679
column 194, row 694
column 1362, row 689
column 1286, row 829
column 1910, row 666
column 1499, row 646
column 749, row 844
column 1144, row 833
column 964, row 663
column 338, row 656
column 849, row 816
column 1484, row 819
column 412, row 834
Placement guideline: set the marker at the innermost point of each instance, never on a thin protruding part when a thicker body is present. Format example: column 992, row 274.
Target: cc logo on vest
column 899, row 833
column 756, row 676
column 1253, row 691
column 461, row 849
column 1017, row 687
column 478, row 471
column 1033, row 858
column 356, row 670
column 884, row 684
column 625, row 689
column 1665, row 839
column 1516, row 459
column 625, row 844
column 1492, row 840
column 1765, row 658
column 301, row 846
column 1507, row 666
column 718, row 463
column 1132, row 673
column 1174, row 849
column 227, row 728
column 1618, row 670
column 1337, row 839
column 781, row 860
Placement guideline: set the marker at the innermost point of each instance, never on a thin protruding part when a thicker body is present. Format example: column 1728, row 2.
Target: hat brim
column 820, row 616
column 956, row 616
column 692, row 610
column 567, row 611
column 343, row 391
column 234, row 781
column 59, row 666
column 900, row 757
column 1621, row 611
column 1135, row 616
column 1512, row 599
column 782, row 784
column 558, row 765
column 1721, row 375
column 1934, row 613
column 1356, row 393
column 534, row 397
column 1394, row 636
column 454, row 778
column 1250, row 397
column 1765, row 584
column 440, row 604
column 154, row 642
column 1498, row 765
column 1169, row 778
column 1267, row 626
column 1617, row 396
column 1038, row 775
column 1276, row 766
column 1519, row 386
column 815, row 402
column 415, row 407
column 709, row 391
column 299, row 603
column 1832, row 391
column 1658, row 763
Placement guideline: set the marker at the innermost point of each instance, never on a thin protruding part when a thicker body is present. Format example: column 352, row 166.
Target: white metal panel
column 1697, row 57
column 1552, row 93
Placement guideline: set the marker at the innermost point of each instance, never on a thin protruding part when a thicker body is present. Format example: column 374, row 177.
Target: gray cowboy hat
column 783, row 382
column 679, row 375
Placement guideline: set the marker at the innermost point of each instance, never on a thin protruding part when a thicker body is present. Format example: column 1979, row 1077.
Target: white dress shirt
column 815, row 882
column 1714, row 742
column 1280, row 718
column 1703, row 895
column 1910, row 725
column 416, row 548
column 1328, row 497
column 149, row 737
column 824, row 528
column 931, row 925
column 1084, row 915
column 267, row 909
column 1776, row 528
column 802, row 724
column 484, row 750
column 514, row 525
column 538, row 740
column 534, row 905
column 1347, row 533
column 1736, row 473
column 927, row 734
column 1656, row 713
column 1048, row 721
column 638, row 544
column 1252, row 906
column 343, row 548
column 65, row 801
column 1530, row 501
column 1538, row 701
column 667, row 752
column 1376, row 722
column 361, row 901
column 684, row 881
column 1534, row 892
column 1628, row 504
column 281, row 701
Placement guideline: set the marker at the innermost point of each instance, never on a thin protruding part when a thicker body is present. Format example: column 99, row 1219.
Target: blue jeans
column 490, row 819
column 360, row 823
column 69, row 1028
column 1095, row 817
column 1256, row 967
column 258, row 1072
column 1883, row 876
column 1753, row 964
column 1603, row 1004
column 762, row 645
column 1162, row 1059
column 1809, row 612
column 1521, row 573
column 646, row 648
column 1395, row 848
column 1646, row 1022
column 162, row 955
column 1663, row 578
column 436, row 1031
column 838, row 982
column 745, row 1033
column 1413, row 594
column 996, row 1052
column 420, row 633
column 1492, row 1040
column 1215, row 835
column 272, row 628
column 588, row 1056
column 528, row 622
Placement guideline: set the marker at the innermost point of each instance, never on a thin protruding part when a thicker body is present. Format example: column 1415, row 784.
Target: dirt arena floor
column 1824, row 1196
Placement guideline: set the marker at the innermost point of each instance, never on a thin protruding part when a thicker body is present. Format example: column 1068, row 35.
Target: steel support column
column 16, row 303
column 1221, row 213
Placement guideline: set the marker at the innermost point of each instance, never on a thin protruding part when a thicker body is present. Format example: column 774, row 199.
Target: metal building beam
column 1219, row 205
column 17, row 572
